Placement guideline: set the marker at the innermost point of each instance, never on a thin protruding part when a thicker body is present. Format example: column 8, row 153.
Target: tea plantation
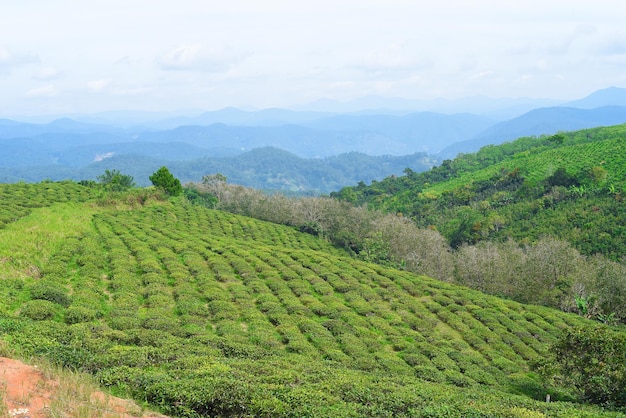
column 199, row 312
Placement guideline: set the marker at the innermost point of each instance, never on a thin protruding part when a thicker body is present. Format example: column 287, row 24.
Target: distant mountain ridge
column 321, row 137
column 64, row 145
column 13, row 129
column 537, row 122
column 612, row 96
column 262, row 168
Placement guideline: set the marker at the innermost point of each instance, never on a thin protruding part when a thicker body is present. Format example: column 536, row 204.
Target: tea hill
column 200, row 312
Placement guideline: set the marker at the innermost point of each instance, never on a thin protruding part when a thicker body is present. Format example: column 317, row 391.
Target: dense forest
column 266, row 168
column 569, row 185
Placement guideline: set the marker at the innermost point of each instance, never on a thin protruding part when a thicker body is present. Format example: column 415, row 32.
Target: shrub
column 74, row 358
column 125, row 322
column 158, row 321
column 593, row 361
column 38, row 309
column 77, row 314
column 50, row 292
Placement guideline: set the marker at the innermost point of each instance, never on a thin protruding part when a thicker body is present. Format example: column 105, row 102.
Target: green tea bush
column 192, row 306
column 458, row 379
column 443, row 362
column 159, row 300
column 221, row 310
column 415, row 358
column 124, row 300
column 154, row 278
column 51, row 292
column 131, row 356
column 77, row 314
column 202, row 397
column 480, row 375
column 153, row 289
column 10, row 325
column 162, row 321
column 237, row 349
column 38, row 309
column 125, row 322
column 72, row 357
column 149, row 337
column 429, row 373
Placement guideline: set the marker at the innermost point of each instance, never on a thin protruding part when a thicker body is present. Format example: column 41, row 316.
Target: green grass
column 200, row 312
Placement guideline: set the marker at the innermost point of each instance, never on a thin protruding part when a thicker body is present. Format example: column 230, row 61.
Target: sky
column 69, row 56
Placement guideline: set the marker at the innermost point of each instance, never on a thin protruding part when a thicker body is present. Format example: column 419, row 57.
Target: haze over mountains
column 82, row 146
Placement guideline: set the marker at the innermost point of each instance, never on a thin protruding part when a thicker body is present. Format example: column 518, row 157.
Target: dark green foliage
column 197, row 197
column 77, row 314
column 38, row 309
column 561, row 178
column 570, row 185
column 114, row 181
column 166, row 181
column 593, row 361
column 51, row 292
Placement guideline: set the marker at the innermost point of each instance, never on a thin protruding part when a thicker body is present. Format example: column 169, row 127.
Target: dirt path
column 27, row 392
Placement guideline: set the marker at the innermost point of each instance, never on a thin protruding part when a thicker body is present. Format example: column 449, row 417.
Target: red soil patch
column 26, row 392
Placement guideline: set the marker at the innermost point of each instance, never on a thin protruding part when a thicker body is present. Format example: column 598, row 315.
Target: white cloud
column 125, row 60
column 4, row 54
column 392, row 59
column 47, row 74
column 196, row 57
column 562, row 45
column 45, row 91
column 303, row 51
column 135, row 91
column 613, row 46
column 482, row 74
column 10, row 60
column 97, row 86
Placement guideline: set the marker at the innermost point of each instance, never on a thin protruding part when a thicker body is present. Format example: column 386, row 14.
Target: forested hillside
column 266, row 168
column 570, row 185
column 201, row 312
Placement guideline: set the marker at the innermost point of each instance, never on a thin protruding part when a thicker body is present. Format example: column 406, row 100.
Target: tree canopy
column 593, row 361
column 166, row 181
column 115, row 181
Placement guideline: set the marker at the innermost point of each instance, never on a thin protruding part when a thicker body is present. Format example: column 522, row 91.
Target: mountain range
column 80, row 145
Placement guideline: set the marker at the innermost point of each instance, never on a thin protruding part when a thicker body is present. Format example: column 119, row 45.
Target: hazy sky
column 86, row 56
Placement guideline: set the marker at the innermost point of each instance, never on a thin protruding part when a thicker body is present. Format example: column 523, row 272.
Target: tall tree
column 166, row 181
column 593, row 361
column 115, row 181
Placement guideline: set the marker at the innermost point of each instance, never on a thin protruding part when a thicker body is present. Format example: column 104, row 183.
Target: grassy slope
column 203, row 312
